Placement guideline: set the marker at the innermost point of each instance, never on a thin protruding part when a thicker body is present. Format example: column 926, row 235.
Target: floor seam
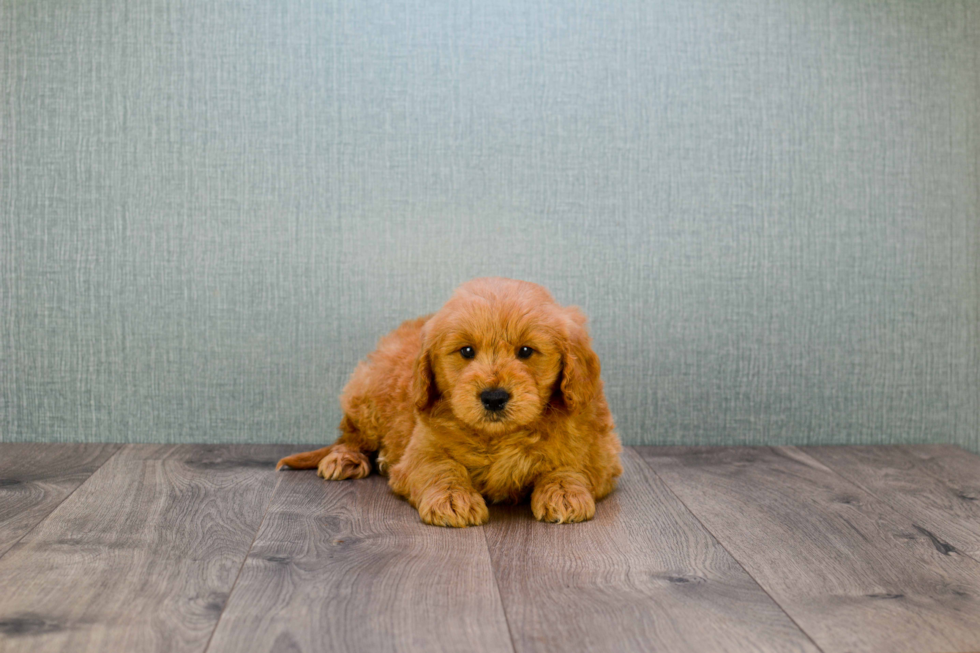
column 62, row 502
column 500, row 596
column 248, row 552
column 732, row 555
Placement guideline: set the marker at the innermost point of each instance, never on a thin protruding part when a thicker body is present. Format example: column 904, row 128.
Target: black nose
column 495, row 398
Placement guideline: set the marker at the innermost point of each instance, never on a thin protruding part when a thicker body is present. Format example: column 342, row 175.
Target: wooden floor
column 206, row 548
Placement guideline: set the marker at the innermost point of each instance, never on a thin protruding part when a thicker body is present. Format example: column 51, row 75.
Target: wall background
column 209, row 211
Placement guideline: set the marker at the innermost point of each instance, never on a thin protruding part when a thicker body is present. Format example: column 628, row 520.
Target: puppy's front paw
column 455, row 507
column 562, row 504
column 344, row 463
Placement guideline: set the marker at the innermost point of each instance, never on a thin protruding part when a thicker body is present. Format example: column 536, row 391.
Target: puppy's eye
column 524, row 352
column 467, row 352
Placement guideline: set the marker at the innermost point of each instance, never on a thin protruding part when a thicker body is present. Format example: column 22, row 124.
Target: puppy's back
column 377, row 399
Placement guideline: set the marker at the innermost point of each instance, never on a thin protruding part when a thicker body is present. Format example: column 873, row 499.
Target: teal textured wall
column 209, row 211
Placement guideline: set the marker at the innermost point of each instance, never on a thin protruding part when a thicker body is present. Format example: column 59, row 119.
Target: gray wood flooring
column 205, row 548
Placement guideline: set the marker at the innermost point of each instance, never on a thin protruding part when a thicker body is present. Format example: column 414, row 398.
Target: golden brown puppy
column 494, row 396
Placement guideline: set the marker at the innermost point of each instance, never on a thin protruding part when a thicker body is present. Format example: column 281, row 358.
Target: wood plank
column 35, row 478
column 936, row 486
column 142, row 556
column 643, row 575
column 947, row 462
column 347, row 566
column 851, row 571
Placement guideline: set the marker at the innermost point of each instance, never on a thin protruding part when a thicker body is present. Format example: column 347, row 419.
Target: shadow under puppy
column 495, row 395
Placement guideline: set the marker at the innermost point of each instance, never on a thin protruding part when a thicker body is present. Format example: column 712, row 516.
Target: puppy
column 495, row 396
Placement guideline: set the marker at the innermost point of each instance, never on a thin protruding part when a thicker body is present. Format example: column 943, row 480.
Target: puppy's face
column 500, row 351
column 497, row 374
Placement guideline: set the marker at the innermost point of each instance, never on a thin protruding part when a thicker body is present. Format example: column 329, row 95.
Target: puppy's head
column 500, row 351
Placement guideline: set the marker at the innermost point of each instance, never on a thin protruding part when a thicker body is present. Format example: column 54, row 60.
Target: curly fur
column 415, row 406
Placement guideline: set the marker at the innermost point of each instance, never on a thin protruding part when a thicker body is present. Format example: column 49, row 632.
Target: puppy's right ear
column 424, row 388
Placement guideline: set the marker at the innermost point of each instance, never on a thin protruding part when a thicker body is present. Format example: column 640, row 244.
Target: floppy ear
column 424, row 389
column 580, row 365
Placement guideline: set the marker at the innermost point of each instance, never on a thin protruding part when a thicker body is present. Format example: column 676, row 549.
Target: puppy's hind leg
column 341, row 460
column 334, row 463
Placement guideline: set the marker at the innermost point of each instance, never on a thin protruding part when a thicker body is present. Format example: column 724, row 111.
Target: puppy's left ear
column 580, row 364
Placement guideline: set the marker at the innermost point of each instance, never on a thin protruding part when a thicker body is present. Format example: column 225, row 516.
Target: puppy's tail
column 305, row 460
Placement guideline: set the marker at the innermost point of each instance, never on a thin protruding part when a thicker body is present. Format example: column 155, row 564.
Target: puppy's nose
column 494, row 398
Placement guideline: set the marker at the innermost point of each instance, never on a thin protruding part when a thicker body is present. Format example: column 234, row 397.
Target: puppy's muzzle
column 494, row 399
